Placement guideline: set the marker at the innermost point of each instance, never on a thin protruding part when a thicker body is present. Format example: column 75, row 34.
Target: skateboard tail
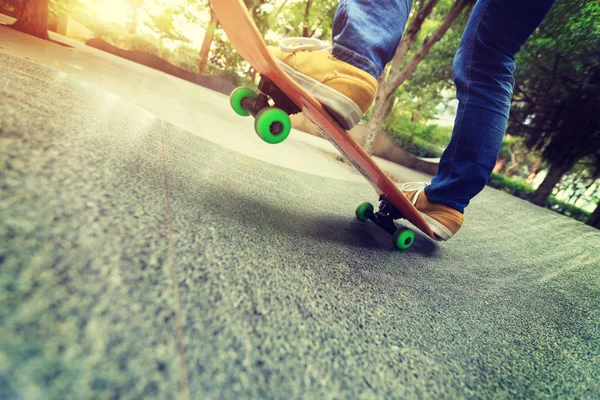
column 364, row 164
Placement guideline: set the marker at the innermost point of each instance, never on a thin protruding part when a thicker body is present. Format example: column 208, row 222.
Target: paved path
column 139, row 260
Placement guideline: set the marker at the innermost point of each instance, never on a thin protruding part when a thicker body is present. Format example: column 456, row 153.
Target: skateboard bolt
column 276, row 128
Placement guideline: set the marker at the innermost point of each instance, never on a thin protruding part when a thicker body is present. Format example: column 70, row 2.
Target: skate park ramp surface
column 140, row 261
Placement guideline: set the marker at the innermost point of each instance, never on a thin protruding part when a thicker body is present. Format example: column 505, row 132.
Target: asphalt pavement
column 138, row 260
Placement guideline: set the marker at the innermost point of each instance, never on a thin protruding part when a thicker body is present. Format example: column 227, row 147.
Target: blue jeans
column 367, row 36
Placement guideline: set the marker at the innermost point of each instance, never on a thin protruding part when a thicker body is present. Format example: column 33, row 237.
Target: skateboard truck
column 268, row 90
column 270, row 107
column 403, row 238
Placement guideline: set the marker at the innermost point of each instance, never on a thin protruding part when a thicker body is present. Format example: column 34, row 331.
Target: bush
column 229, row 75
column 419, row 148
column 113, row 33
column 434, row 134
column 567, row 209
column 507, row 142
column 520, row 188
column 419, row 139
column 140, row 43
column 186, row 57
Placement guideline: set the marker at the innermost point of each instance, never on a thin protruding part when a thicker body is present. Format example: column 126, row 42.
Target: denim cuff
column 344, row 54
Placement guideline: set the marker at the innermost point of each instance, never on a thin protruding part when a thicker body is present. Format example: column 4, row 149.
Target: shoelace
column 414, row 186
column 293, row 44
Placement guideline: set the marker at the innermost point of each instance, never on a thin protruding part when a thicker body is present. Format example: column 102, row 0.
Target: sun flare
column 113, row 11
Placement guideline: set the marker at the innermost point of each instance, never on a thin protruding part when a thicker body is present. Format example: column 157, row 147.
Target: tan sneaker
column 444, row 221
column 345, row 90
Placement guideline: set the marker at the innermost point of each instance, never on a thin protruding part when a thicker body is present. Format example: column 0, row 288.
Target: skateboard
column 279, row 96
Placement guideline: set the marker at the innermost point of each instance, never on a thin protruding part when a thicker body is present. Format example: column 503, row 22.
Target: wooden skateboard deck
column 248, row 41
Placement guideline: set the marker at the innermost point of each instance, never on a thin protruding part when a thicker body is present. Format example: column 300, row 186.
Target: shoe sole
column 437, row 227
column 440, row 230
column 341, row 108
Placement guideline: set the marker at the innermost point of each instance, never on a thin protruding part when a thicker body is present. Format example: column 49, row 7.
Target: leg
column 483, row 73
column 366, row 35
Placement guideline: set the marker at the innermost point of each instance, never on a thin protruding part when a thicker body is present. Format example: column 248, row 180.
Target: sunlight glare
column 113, row 11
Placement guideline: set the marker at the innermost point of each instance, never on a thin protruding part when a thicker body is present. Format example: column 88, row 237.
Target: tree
column 132, row 15
column 222, row 56
column 164, row 24
column 577, row 136
column 399, row 72
column 556, row 106
column 307, row 18
column 207, row 41
column 420, row 97
column 594, row 219
column 578, row 181
column 34, row 19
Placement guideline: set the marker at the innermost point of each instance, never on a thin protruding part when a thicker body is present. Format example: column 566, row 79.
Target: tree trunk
column 305, row 30
column 207, row 41
column 594, row 218
column 554, row 176
column 428, row 43
column 534, row 170
column 34, row 19
column 132, row 17
column 516, row 159
column 382, row 102
column 499, row 167
column 18, row 7
column 386, row 83
column 396, row 76
column 409, row 37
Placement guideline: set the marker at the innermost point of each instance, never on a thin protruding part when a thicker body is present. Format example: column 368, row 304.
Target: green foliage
column 419, row 139
column 259, row 13
column 567, row 209
column 523, row 190
column 507, row 143
column 229, row 75
column 223, row 55
column 186, row 57
column 308, row 18
column 419, row 98
column 113, row 33
column 417, row 105
column 435, row 71
column 516, row 187
column 78, row 10
column 143, row 43
column 518, row 158
column 556, row 104
column 164, row 23
column 418, row 147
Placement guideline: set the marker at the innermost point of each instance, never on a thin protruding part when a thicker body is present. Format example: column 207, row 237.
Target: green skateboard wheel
column 403, row 238
column 363, row 210
column 236, row 97
column 272, row 125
